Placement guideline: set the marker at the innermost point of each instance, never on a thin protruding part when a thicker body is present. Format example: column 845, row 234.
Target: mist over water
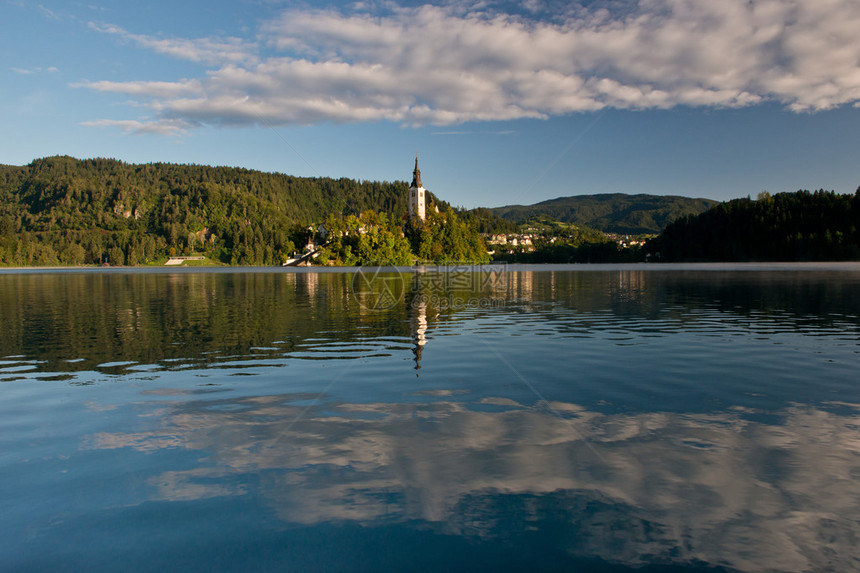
column 706, row 418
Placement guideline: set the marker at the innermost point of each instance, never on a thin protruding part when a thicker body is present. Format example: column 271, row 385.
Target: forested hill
column 70, row 211
column 611, row 213
column 800, row 226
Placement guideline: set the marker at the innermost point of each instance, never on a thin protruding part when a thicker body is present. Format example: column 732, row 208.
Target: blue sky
column 504, row 101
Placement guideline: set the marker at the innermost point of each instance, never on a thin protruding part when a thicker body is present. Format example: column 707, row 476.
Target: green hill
column 62, row 210
column 800, row 226
column 611, row 213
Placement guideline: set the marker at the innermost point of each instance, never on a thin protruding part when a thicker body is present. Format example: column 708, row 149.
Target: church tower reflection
column 416, row 306
column 419, row 329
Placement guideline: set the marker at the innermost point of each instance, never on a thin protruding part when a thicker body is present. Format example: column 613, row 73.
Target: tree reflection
column 75, row 321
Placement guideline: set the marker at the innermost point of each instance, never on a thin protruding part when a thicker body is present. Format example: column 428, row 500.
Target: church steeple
column 417, row 200
column 416, row 175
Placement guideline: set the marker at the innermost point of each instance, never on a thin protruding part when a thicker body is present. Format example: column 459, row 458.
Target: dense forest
column 611, row 213
column 484, row 220
column 800, row 226
column 61, row 210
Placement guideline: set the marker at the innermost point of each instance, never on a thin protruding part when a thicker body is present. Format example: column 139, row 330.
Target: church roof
column 416, row 175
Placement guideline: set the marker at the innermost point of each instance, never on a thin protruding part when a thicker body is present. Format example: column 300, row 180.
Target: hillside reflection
column 75, row 322
column 633, row 489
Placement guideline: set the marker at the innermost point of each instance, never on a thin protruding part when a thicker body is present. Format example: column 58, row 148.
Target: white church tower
column 417, row 195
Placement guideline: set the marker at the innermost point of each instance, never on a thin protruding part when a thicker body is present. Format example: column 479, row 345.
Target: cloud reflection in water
column 718, row 488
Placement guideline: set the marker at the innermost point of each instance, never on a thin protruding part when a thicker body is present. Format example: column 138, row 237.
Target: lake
column 501, row 418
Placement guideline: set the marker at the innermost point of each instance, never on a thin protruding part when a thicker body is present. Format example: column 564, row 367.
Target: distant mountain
column 611, row 213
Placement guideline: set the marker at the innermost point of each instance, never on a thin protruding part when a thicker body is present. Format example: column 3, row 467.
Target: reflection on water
column 75, row 322
column 560, row 420
column 637, row 488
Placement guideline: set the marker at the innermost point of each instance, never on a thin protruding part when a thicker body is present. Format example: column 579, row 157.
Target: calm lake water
column 565, row 418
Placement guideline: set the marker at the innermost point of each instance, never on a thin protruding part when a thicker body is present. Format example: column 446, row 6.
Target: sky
column 503, row 102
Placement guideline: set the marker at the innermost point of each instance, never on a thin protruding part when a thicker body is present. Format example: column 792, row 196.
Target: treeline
column 61, row 210
column 800, row 226
column 485, row 221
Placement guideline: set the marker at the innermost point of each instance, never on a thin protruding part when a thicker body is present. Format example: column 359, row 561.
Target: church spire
column 416, row 175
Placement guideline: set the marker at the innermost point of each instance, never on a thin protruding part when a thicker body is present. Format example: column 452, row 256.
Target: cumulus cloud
column 446, row 65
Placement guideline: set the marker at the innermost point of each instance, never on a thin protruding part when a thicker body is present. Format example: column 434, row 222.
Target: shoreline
column 840, row 266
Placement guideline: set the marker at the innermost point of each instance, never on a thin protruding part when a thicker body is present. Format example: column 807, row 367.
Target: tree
column 116, row 256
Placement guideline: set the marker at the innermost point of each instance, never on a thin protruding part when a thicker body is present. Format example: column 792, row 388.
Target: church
column 417, row 195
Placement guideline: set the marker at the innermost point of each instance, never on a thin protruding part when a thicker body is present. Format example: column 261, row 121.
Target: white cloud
column 33, row 71
column 48, row 13
column 457, row 63
column 172, row 127
column 146, row 89
column 217, row 51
